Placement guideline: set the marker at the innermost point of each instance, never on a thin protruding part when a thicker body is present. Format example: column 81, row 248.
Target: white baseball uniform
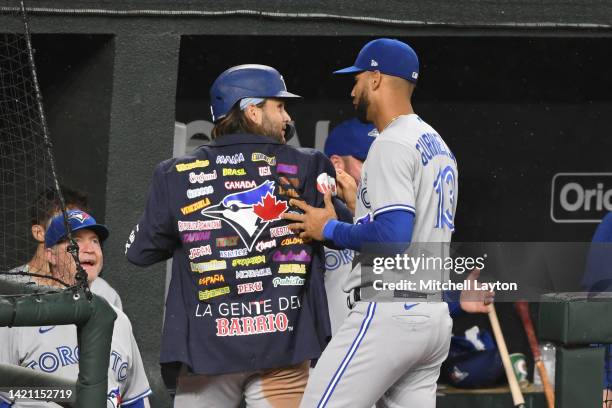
column 54, row 350
column 338, row 265
column 389, row 353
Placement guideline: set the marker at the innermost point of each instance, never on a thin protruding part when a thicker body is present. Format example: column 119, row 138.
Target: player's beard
column 270, row 129
column 361, row 109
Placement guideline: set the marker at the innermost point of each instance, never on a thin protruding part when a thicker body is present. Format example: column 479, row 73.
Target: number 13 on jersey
column 444, row 186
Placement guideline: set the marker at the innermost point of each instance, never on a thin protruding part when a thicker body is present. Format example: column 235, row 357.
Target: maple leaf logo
column 270, row 209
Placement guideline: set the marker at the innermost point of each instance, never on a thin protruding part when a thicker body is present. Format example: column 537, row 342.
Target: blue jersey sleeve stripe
column 134, row 399
column 394, row 207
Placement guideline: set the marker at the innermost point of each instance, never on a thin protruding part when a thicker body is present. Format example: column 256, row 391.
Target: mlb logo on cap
column 390, row 57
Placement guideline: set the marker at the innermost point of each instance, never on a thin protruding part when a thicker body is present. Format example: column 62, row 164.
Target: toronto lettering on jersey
column 233, row 159
column 253, row 273
column 250, row 287
column 213, row 265
column 234, row 172
column 288, row 281
column 292, row 241
column 264, row 171
column 302, row 256
column 199, row 225
column 233, row 253
column 280, row 231
column 189, row 237
column 50, row 362
column 254, row 260
column 263, row 245
column 430, row 145
column 287, row 168
column 192, row 165
column 227, row 241
column 335, row 259
column 212, row 279
column 198, row 205
column 208, row 294
column 292, row 268
column 257, row 157
column 199, row 251
column 239, row 184
column 62, row 356
column 202, row 177
column 199, row 192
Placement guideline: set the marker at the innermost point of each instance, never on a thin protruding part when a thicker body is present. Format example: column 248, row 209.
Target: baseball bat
column 517, row 395
column 522, row 308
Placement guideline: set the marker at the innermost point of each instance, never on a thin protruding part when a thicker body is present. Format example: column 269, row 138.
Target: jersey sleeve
column 155, row 237
column 391, row 186
column 136, row 386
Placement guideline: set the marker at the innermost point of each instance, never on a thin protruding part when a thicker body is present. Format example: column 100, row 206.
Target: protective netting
column 29, row 195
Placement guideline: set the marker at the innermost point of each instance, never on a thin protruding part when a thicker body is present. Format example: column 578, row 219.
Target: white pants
column 388, row 354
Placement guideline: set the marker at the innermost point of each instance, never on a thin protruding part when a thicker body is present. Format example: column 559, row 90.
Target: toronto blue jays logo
column 249, row 212
column 78, row 215
column 113, row 398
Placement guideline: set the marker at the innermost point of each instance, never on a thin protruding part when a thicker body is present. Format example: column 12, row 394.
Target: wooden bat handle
column 517, row 395
column 548, row 390
column 522, row 308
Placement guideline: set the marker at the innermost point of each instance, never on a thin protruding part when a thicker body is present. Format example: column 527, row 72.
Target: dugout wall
column 115, row 78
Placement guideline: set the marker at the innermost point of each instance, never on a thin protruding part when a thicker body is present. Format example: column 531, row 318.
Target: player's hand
column 607, row 398
column 310, row 224
column 476, row 300
column 347, row 189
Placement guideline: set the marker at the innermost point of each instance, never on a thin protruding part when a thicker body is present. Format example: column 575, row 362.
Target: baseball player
column 246, row 309
column 598, row 278
column 43, row 209
column 388, row 353
column 53, row 349
column 347, row 147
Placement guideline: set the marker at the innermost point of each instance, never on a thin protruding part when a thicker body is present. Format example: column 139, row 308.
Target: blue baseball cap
column 351, row 138
column 391, row 57
column 77, row 220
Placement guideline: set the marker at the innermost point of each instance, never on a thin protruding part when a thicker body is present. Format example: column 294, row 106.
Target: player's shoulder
column 122, row 321
column 309, row 157
column 405, row 129
column 306, row 152
column 102, row 288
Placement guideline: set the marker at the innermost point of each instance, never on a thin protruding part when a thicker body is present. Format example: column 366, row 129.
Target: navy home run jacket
column 245, row 293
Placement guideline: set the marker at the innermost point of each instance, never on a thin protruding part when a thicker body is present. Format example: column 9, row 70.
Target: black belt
column 354, row 296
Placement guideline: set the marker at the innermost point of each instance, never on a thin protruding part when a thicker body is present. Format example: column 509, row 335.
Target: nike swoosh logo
column 43, row 330
column 408, row 306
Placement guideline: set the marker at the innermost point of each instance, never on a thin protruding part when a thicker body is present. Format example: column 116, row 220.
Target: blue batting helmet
column 245, row 81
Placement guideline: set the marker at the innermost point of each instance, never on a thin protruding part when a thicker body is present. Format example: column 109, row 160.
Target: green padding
column 63, row 307
column 94, row 320
column 578, row 377
column 94, row 354
column 575, row 318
